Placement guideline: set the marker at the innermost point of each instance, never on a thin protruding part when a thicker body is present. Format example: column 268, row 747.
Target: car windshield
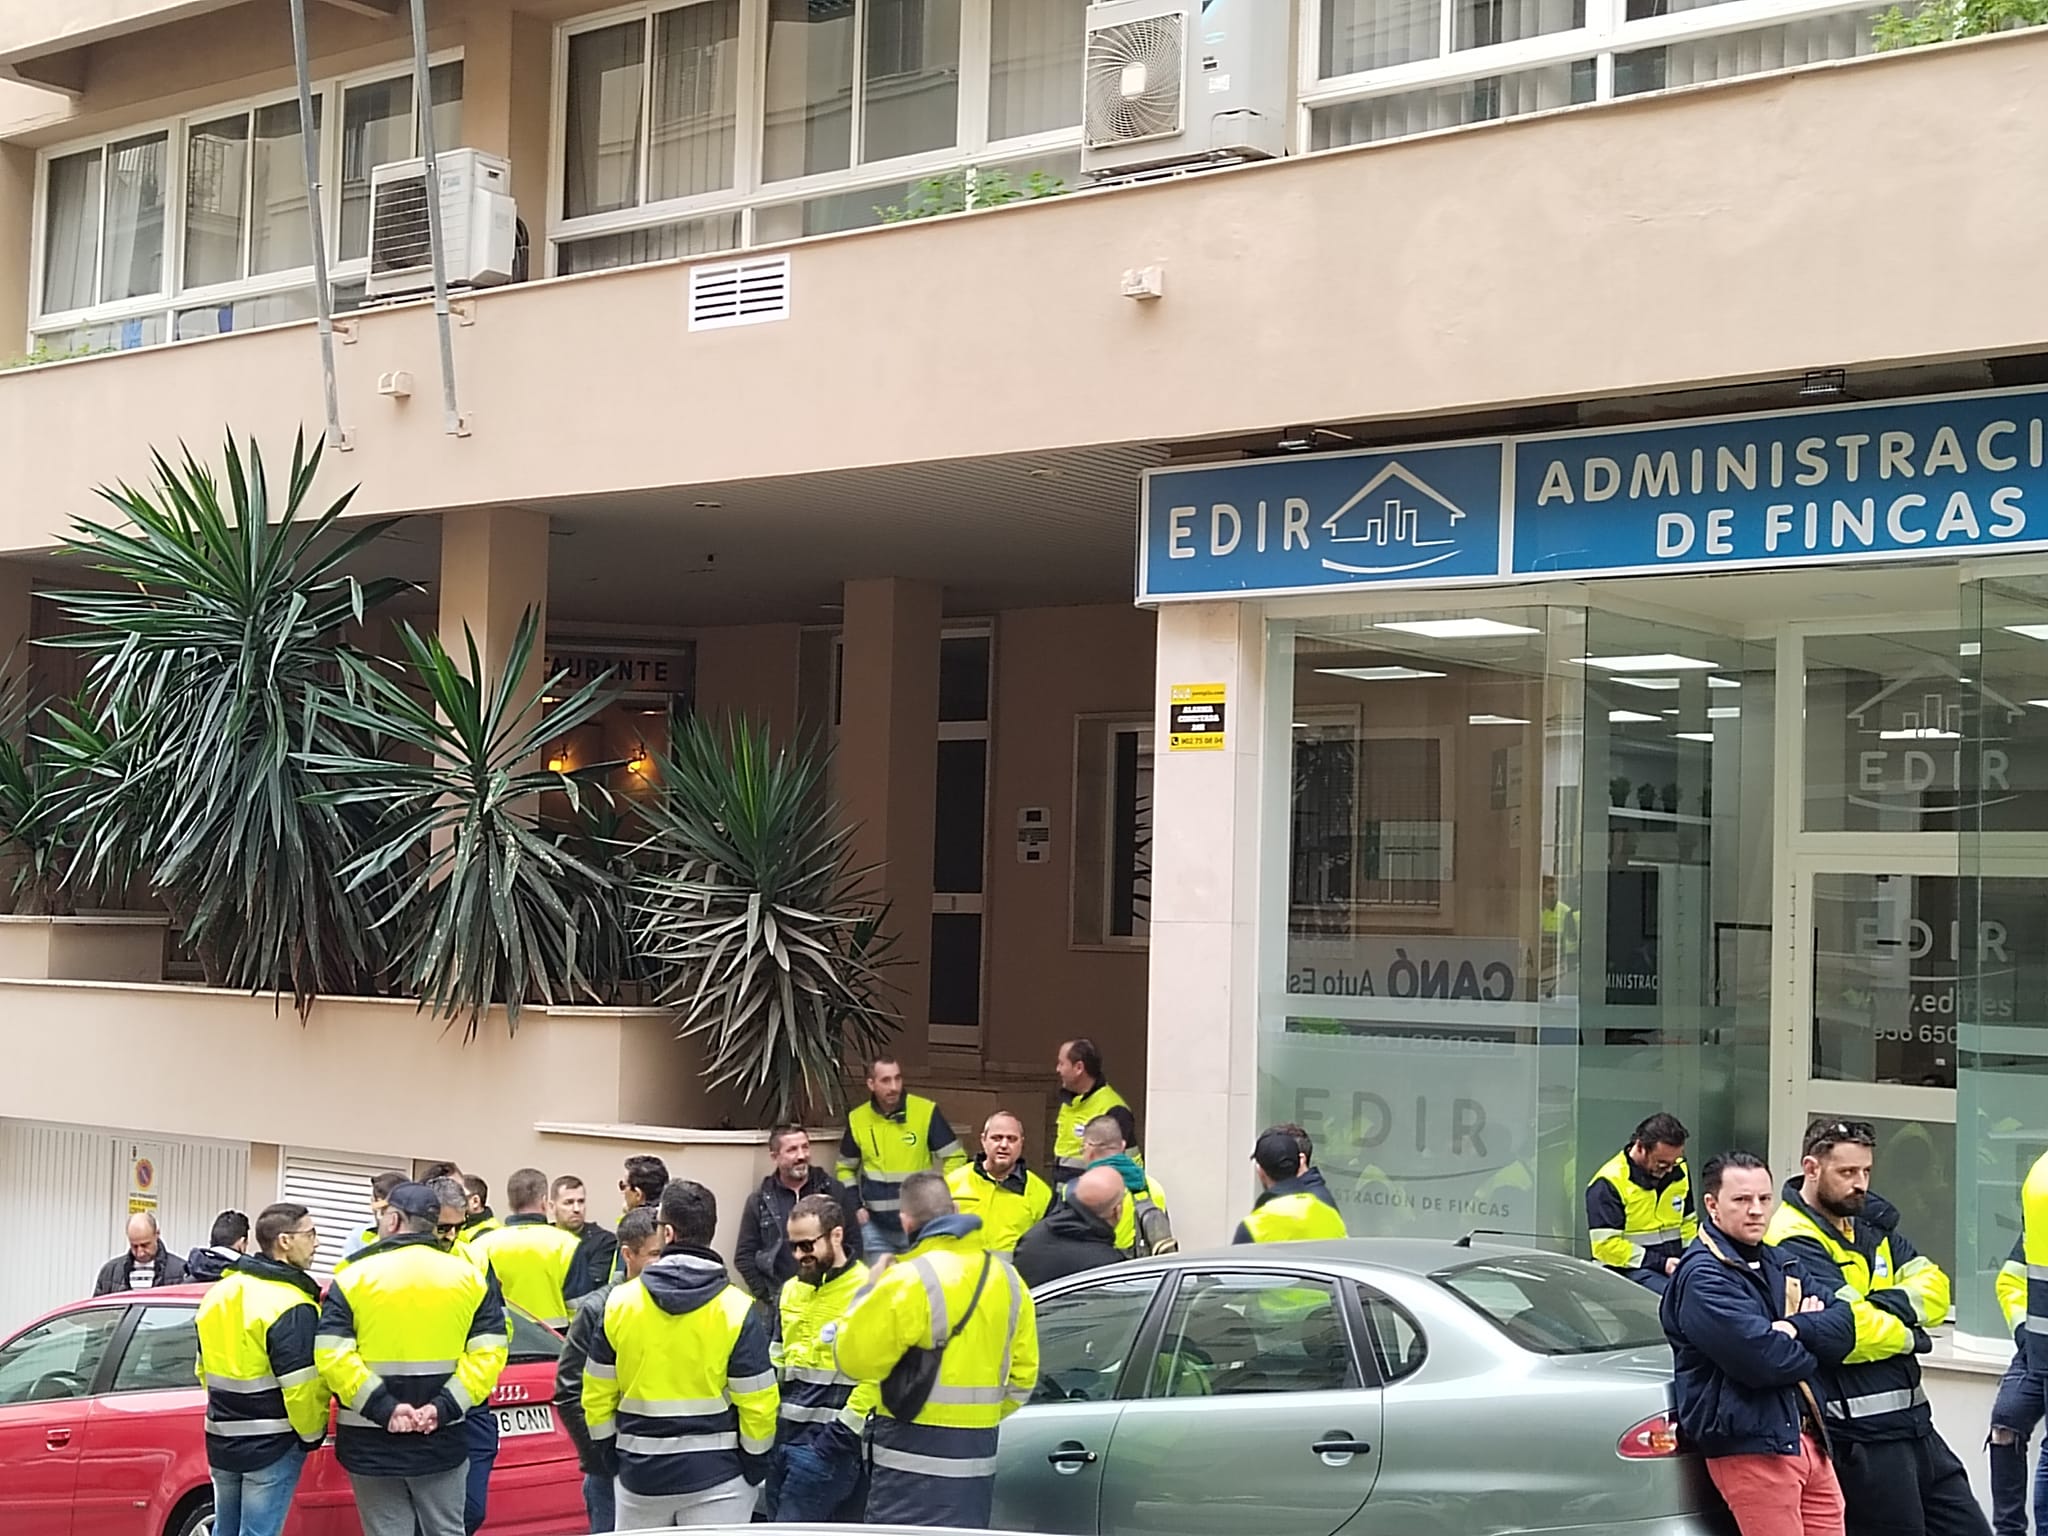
column 531, row 1339
column 1556, row 1306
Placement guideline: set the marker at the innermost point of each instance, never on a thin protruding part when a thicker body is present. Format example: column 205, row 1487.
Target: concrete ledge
column 100, row 946
column 669, row 1135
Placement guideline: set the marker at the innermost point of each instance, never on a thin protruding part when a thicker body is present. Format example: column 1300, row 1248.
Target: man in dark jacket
column 1078, row 1233
column 596, row 1247
column 229, row 1241
column 639, row 1246
column 1747, row 1347
column 760, row 1252
column 146, row 1265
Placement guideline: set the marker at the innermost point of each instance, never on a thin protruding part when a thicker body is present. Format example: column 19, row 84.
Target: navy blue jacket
column 1736, row 1379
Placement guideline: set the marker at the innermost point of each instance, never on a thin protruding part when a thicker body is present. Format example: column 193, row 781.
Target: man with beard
column 1897, row 1474
column 889, row 1137
column 760, row 1254
column 816, row 1473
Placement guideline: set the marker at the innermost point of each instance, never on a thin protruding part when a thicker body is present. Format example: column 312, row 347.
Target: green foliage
column 42, row 352
column 767, row 942
column 963, row 190
column 1943, row 21
column 485, row 907
column 35, row 780
column 212, row 671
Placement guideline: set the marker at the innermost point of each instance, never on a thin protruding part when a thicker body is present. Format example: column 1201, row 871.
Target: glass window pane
column 1397, row 1343
column 1373, row 34
column 1034, row 65
column 162, row 1354
column 444, row 84
column 376, row 129
column 1557, row 1306
column 963, row 677
column 1228, row 1335
column 1130, row 835
column 280, row 237
column 245, row 314
column 134, row 260
column 696, row 81
column 910, row 77
column 71, row 237
column 809, row 89
column 1403, row 113
column 605, row 86
column 1085, row 1339
column 830, row 214
column 104, row 336
column 956, row 968
column 1481, row 23
column 960, row 817
column 664, row 242
column 1885, row 737
column 58, row 1359
column 216, row 181
column 1846, row 36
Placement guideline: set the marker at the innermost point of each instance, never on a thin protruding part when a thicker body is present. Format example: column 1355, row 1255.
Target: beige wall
column 1747, row 230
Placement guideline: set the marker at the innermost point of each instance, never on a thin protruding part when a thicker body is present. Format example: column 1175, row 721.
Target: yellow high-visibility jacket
column 814, row 1390
column 263, row 1392
column 1008, row 1207
column 533, row 1262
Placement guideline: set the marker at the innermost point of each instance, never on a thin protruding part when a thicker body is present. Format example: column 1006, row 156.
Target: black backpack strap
column 980, row 1284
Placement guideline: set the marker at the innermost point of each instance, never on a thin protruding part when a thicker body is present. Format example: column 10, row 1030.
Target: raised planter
column 110, row 946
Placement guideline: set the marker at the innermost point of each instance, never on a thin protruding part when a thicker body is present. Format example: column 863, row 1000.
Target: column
column 494, row 566
column 887, row 772
column 507, row 75
column 1202, row 1091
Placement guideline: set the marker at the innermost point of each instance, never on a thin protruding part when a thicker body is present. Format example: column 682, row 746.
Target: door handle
column 1072, row 1457
column 1338, row 1443
column 57, row 1439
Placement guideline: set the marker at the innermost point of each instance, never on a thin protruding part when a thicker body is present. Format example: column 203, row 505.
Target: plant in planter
column 212, row 673
column 34, row 781
column 1667, row 798
column 1618, row 788
column 486, row 907
column 768, row 944
column 1646, row 797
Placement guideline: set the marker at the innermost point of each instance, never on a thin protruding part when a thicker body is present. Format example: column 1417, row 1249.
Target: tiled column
column 1201, row 1096
column 494, row 566
column 887, row 773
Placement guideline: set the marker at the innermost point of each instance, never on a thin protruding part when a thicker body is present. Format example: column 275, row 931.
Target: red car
column 101, row 1431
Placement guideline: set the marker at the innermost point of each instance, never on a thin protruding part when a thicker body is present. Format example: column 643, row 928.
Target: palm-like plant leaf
column 485, row 906
column 217, row 656
column 767, row 942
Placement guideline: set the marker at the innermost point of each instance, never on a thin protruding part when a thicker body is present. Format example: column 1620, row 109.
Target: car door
column 1257, row 1414
column 145, row 1434
column 1050, row 1459
column 47, row 1374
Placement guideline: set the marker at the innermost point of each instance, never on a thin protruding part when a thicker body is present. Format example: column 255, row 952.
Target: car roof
column 1410, row 1255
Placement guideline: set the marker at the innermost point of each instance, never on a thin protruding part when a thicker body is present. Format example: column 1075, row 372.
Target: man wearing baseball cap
column 1297, row 1205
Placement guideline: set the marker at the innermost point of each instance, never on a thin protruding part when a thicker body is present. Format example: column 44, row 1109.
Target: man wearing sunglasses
column 1897, row 1474
column 816, row 1472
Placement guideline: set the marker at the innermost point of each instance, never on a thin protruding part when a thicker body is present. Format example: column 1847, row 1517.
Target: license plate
column 536, row 1420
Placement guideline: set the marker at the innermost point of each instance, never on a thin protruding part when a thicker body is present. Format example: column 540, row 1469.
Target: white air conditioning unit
column 1171, row 82
column 479, row 226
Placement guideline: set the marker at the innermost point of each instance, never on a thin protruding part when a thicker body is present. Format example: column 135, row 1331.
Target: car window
column 162, row 1353
column 1557, row 1306
column 530, row 1339
column 1229, row 1334
column 59, row 1358
column 1085, row 1339
column 1397, row 1343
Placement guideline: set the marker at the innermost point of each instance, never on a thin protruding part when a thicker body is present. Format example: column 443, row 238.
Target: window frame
column 123, row 1315
column 750, row 193
column 172, row 296
column 1101, row 837
column 1364, row 1364
column 130, row 1332
column 1130, row 1382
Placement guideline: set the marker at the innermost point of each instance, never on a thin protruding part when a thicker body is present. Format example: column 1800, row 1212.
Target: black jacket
column 761, row 1251
column 113, row 1275
column 1070, row 1239
column 1741, row 1386
column 203, row 1266
column 588, row 1318
column 591, row 1268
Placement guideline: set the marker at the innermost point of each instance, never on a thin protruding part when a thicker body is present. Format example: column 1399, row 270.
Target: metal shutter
column 52, row 1206
column 335, row 1187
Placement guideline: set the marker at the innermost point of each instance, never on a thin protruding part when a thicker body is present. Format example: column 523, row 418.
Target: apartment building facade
column 1425, row 633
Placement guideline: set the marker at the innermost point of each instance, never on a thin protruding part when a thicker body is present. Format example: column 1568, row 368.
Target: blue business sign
column 1965, row 474
column 1336, row 520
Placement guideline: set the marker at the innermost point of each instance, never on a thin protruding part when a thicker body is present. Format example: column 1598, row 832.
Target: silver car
column 1395, row 1386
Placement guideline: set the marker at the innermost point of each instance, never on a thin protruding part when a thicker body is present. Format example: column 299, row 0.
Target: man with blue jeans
column 266, row 1405
column 816, row 1473
column 639, row 1246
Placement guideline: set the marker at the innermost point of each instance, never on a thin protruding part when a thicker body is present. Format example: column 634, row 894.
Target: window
column 1396, row 1338
column 57, row 1359
column 1369, row 825
column 652, row 111
column 213, row 207
column 905, row 56
column 1034, row 77
column 1234, row 1334
column 1112, row 832
column 530, row 1341
column 960, row 833
column 1554, row 1306
column 1085, row 1339
column 162, row 1354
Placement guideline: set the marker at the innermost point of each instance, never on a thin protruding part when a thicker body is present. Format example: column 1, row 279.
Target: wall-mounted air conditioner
column 1169, row 82
column 479, row 226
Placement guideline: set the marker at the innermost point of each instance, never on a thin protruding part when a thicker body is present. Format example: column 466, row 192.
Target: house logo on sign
column 1916, row 725
column 1395, row 519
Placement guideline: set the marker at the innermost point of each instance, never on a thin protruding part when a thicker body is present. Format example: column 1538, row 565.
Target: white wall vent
column 1183, row 82
column 728, row 293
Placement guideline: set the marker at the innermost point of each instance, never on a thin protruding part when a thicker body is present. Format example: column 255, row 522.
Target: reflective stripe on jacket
column 814, row 1390
column 678, row 1382
column 409, row 1322
column 534, row 1263
column 878, row 1152
column 1635, row 1222
column 1076, row 1112
column 263, row 1392
column 1008, row 1207
column 1895, row 1295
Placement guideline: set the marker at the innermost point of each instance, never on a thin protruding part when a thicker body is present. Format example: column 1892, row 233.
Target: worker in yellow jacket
column 679, row 1391
column 266, row 1406
column 1084, row 1095
column 2023, row 1394
column 1008, row 1197
column 933, row 1454
column 1296, row 1205
column 817, row 1473
column 534, row 1259
column 890, row 1135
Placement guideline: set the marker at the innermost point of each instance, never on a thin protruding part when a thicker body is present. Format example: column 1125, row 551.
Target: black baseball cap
column 1278, row 1154
column 416, row 1200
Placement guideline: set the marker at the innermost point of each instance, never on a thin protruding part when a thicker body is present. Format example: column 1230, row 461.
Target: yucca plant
column 483, row 906
column 35, row 781
column 767, row 942
column 216, row 654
